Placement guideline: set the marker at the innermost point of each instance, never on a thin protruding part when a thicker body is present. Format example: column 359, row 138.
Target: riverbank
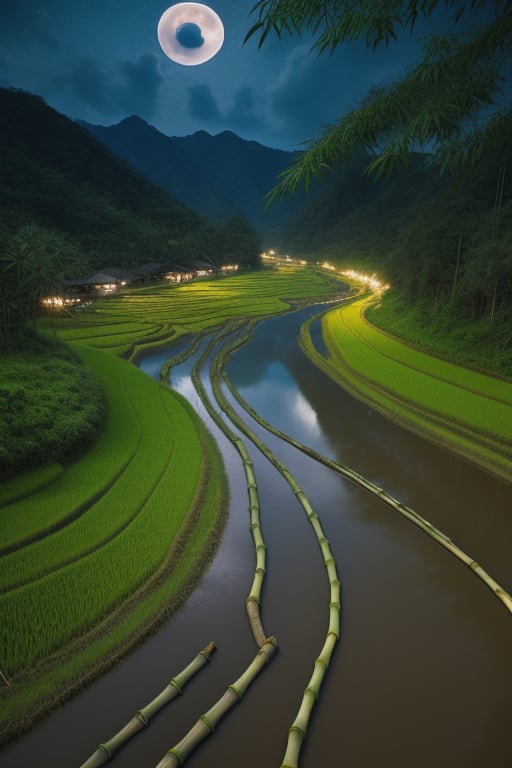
column 92, row 573
column 397, row 583
column 482, row 343
column 466, row 411
column 86, row 572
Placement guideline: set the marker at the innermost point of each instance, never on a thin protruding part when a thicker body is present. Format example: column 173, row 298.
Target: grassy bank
column 480, row 344
column 467, row 411
column 107, row 566
column 98, row 550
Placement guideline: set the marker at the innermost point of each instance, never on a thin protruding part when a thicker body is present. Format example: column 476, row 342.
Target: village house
column 109, row 280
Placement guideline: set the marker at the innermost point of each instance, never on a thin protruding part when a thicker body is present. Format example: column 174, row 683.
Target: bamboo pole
column 207, row 723
column 142, row 718
column 402, row 509
column 254, row 512
column 298, row 729
column 252, row 602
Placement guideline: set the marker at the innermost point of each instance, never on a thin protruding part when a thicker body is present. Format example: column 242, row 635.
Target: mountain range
column 55, row 174
column 145, row 195
column 224, row 175
column 218, row 176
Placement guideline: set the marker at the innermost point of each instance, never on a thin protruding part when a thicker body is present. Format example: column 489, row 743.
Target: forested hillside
column 55, row 174
column 443, row 242
column 218, row 176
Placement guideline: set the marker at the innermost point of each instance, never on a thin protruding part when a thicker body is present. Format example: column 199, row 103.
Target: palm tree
column 33, row 261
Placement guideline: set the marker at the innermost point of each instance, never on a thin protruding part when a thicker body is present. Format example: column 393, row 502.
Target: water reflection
column 277, row 392
column 305, row 415
column 151, row 361
column 465, row 502
column 422, row 673
column 424, row 663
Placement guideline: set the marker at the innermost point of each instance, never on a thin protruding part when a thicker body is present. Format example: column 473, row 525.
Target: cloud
column 89, row 84
column 143, row 82
column 307, row 92
column 242, row 113
column 306, row 84
column 313, row 91
column 131, row 86
column 202, row 104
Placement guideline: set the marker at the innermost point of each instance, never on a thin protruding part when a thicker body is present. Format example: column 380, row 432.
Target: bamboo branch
column 142, row 718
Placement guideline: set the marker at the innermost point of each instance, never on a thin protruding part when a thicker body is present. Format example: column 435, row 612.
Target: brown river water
column 422, row 674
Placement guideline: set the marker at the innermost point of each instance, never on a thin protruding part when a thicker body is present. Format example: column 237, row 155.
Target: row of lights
column 369, row 280
column 56, row 302
column 273, row 256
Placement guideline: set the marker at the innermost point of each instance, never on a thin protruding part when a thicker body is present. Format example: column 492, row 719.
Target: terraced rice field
column 94, row 552
column 151, row 316
column 465, row 409
column 86, row 538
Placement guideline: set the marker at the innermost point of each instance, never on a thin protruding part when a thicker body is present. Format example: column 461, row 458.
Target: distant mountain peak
column 134, row 120
column 202, row 132
column 219, row 175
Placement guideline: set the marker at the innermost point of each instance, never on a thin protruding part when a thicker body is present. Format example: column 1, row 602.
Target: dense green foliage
column 444, row 245
column 33, row 261
column 79, row 487
column 57, row 178
column 50, row 407
column 451, row 103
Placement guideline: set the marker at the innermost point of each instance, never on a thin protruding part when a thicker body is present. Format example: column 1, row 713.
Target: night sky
column 100, row 61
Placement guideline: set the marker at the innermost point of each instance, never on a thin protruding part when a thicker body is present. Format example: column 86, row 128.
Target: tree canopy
column 453, row 104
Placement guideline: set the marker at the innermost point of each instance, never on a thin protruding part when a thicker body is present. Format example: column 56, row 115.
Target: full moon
column 190, row 33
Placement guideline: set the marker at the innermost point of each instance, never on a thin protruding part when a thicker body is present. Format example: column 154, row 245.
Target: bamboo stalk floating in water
column 253, row 601
column 207, row 723
column 141, row 718
column 298, row 729
column 402, row 509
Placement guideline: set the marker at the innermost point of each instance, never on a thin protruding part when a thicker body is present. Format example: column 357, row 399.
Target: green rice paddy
column 73, row 577
column 466, row 410
column 97, row 550
column 141, row 317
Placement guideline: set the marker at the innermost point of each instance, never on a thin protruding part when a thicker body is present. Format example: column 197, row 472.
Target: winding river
column 422, row 674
